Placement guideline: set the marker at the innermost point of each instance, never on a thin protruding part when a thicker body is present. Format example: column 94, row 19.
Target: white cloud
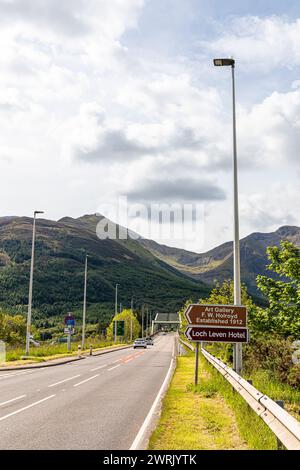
column 269, row 133
column 81, row 113
column 259, row 42
column 267, row 212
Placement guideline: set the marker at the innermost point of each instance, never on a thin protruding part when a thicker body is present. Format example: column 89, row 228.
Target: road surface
column 97, row 403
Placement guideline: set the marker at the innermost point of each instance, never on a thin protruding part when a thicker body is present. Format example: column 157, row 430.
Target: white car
column 140, row 343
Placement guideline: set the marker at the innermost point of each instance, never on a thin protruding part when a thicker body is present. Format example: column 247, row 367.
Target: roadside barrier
column 285, row 427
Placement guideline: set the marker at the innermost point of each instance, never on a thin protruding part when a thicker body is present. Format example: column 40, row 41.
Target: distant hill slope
column 217, row 264
column 59, row 268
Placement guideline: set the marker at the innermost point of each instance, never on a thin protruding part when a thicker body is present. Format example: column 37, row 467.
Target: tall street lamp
column 30, row 284
column 116, row 311
column 84, row 303
column 237, row 361
column 131, row 320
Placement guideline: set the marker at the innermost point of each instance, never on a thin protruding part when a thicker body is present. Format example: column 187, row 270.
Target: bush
column 273, row 354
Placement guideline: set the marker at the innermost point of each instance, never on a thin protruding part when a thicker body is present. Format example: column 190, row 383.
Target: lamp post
column 131, row 320
column 30, row 284
column 84, row 303
column 237, row 360
column 116, row 312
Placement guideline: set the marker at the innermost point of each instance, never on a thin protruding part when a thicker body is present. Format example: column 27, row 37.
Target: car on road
column 149, row 341
column 140, row 343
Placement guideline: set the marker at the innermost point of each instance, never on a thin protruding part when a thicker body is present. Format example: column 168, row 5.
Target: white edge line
column 14, row 374
column 86, row 380
column 140, row 435
column 97, row 368
column 25, row 408
column 65, row 380
column 13, row 399
column 114, row 367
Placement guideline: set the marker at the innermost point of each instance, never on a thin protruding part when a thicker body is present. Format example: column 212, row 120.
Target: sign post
column 215, row 323
column 70, row 324
column 119, row 327
column 197, row 364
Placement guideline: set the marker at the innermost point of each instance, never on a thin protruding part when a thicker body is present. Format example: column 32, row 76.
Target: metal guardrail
column 284, row 426
column 188, row 345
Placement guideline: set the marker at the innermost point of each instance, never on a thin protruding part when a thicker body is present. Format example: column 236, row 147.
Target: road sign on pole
column 215, row 334
column 70, row 320
column 216, row 315
column 120, row 327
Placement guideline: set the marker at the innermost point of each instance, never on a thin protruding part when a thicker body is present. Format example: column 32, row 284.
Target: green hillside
column 59, row 270
column 217, row 264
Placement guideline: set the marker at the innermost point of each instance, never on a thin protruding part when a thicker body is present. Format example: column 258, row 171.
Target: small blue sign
column 70, row 321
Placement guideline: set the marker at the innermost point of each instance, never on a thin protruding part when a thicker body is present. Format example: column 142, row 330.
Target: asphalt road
column 97, row 403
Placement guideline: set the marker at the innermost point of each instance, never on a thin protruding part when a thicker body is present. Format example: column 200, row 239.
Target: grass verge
column 49, row 352
column 195, row 419
column 252, row 429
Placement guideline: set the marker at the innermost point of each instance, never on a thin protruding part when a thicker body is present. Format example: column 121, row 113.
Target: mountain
column 59, row 269
column 217, row 264
column 159, row 276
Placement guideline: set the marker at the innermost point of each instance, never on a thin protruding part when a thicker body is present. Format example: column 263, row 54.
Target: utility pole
column 116, row 311
column 147, row 318
column 84, row 302
column 143, row 321
column 238, row 350
column 28, row 328
column 131, row 320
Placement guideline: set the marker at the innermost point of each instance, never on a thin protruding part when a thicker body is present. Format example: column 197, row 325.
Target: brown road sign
column 214, row 334
column 216, row 315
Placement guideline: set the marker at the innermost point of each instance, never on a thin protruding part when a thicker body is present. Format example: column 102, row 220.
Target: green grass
column 213, row 415
column 267, row 384
column 252, row 429
column 195, row 419
column 51, row 351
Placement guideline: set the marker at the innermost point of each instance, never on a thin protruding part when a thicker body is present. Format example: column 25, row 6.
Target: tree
column 283, row 313
column 127, row 316
column 12, row 329
column 223, row 294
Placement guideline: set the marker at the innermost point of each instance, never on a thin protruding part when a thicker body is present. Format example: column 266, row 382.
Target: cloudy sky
column 103, row 98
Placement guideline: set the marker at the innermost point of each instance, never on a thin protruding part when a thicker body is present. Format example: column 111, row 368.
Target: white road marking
column 15, row 373
column 86, row 380
column 144, row 428
column 65, row 380
column 96, row 368
column 13, row 399
column 114, row 367
column 26, row 407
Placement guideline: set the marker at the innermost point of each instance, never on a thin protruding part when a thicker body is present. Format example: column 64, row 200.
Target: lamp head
column 224, row 62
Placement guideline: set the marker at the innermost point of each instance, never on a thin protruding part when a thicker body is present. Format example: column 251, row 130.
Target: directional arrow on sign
column 211, row 334
column 216, row 315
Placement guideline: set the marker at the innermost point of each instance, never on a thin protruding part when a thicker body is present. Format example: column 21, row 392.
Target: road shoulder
column 195, row 419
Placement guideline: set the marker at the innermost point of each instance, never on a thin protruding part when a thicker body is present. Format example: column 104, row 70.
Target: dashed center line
column 65, row 380
column 114, row 367
column 97, row 368
column 86, row 380
column 26, row 407
column 13, row 399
